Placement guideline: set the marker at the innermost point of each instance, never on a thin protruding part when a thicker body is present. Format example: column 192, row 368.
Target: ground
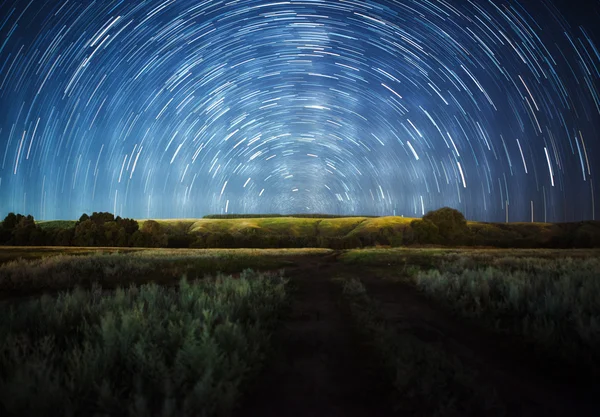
column 321, row 363
column 325, row 369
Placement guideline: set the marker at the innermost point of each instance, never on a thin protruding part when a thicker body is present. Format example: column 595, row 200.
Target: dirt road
column 323, row 368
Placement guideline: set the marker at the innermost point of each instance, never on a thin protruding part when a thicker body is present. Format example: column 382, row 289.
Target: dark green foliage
column 11, row 220
column 493, row 234
column 21, row 230
column 103, row 229
column 87, row 233
column 61, row 237
column 150, row 235
column 146, row 350
column 102, row 217
column 451, row 224
column 181, row 241
column 425, row 232
column 130, row 226
column 551, row 302
column 5, row 236
column 576, row 235
column 26, row 233
column 339, row 243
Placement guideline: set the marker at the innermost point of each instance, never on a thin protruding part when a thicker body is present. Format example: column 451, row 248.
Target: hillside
column 348, row 232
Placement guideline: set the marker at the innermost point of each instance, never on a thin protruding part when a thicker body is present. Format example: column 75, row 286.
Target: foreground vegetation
column 139, row 351
column 426, row 379
column 549, row 298
column 57, row 271
column 552, row 302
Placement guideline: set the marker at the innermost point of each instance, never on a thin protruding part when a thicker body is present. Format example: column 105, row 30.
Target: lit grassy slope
column 291, row 226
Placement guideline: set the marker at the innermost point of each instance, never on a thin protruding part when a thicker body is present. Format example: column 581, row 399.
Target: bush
column 552, row 302
column 451, row 224
column 142, row 351
column 424, row 231
column 21, row 230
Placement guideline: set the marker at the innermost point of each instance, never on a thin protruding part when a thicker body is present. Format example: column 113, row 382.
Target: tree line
column 97, row 229
column 445, row 226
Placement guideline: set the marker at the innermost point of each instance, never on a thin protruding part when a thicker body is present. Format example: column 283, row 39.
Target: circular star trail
column 181, row 108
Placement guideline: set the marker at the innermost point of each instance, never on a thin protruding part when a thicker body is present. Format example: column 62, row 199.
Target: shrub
column 552, row 302
column 451, row 224
column 425, row 231
column 141, row 351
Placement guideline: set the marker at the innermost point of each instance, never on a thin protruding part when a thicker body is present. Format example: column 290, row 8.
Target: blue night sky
column 181, row 108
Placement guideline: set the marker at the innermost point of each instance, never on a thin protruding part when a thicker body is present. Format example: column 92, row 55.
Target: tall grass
column 64, row 271
column 141, row 351
column 427, row 380
column 553, row 302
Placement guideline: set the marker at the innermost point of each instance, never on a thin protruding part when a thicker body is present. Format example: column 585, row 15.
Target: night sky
column 181, row 108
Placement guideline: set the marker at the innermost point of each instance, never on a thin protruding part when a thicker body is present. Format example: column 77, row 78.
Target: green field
column 292, row 226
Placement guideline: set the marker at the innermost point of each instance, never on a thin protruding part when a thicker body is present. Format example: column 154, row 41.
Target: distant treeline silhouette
column 445, row 226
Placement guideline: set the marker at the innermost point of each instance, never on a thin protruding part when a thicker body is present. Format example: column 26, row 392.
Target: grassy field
column 120, row 331
column 548, row 297
column 434, row 256
column 187, row 350
column 553, row 302
column 54, row 268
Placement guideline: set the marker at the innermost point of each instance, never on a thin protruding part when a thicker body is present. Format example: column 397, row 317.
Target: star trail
column 181, row 108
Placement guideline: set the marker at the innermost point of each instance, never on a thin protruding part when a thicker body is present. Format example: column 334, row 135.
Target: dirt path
column 321, row 369
column 501, row 362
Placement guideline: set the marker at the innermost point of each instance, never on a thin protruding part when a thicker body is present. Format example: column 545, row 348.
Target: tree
column 24, row 230
column 154, row 234
column 110, row 233
column 451, row 224
column 424, row 231
column 130, row 225
column 10, row 221
column 87, row 233
column 62, row 237
column 102, row 217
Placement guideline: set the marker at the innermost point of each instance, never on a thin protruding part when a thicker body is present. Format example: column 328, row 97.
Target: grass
column 144, row 350
column 301, row 227
column 56, row 224
column 292, row 226
column 339, row 227
column 552, row 302
column 427, row 380
column 110, row 269
column 434, row 256
column 12, row 253
column 375, row 225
